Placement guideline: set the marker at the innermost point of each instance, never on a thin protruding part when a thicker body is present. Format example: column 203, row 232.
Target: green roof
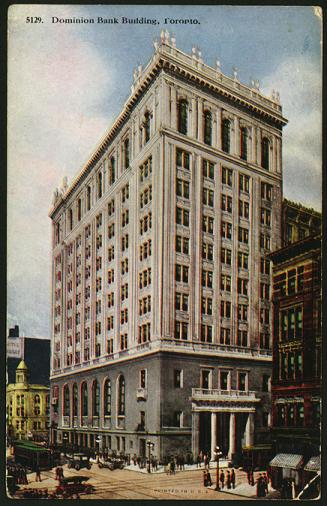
column 31, row 446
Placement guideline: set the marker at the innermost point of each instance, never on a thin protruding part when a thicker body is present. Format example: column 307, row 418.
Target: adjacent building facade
column 28, row 407
column 296, row 380
column 37, row 351
column 160, row 278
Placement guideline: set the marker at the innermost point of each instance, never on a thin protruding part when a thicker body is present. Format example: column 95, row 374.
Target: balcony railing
column 142, row 394
column 85, row 421
column 75, row 421
column 65, row 421
column 212, row 394
column 107, row 422
column 95, row 421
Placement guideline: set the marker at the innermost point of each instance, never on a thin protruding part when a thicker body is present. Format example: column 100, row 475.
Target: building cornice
column 175, row 61
column 157, row 353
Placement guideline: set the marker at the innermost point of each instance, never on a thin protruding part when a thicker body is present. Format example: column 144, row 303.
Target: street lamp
column 98, row 440
column 218, row 454
column 65, row 439
column 150, row 446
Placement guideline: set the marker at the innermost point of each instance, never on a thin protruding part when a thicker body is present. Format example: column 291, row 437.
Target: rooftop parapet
column 167, row 56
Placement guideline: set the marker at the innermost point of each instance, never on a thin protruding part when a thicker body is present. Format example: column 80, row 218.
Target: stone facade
column 159, row 251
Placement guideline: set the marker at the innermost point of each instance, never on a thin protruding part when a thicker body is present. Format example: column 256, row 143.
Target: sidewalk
column 187, row 467
column 246, row 490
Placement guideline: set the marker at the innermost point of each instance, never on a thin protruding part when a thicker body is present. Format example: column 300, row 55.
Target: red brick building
column 296, row 377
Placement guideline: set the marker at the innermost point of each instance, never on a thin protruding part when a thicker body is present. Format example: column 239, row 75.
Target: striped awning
column 287, row 460
column 313, row 464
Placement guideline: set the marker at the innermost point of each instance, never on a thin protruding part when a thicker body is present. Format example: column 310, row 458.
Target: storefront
column 286, row 473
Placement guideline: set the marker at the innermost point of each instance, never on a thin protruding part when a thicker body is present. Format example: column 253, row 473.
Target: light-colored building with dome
column 27, row 407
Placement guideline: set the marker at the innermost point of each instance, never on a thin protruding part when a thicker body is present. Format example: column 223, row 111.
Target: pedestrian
column 228, row 482
column 252, row 478
column 37, row 473
column 261, row 488
column 198, row 461
column 209, row 480
column 172, row 466
column 233, row 478
column 222, row 478
column 205, row 479
column 266, row 481
column 25, row 480
column 205, row 460
column 249, row 475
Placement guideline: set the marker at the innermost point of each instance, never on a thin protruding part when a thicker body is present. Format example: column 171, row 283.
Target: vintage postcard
column 164, row 296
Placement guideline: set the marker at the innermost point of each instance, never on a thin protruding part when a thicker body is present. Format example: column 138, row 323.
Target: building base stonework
column 170, row 399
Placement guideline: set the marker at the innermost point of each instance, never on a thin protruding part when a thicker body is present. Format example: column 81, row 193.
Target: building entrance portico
column 224, row 423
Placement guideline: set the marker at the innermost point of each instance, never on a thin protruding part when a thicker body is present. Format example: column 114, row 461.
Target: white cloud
column 299, row 82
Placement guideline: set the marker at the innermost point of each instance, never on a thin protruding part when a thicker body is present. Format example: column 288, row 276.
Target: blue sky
column 68, row 82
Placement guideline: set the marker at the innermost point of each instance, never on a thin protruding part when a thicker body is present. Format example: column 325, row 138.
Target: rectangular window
column 226, row 256
column 224, row 377
column 206, row 305
column 242, row 286
column 242, row 381
column 243, row 260
column 226, row 230
column 182, row 159
column 205, row 379
column 224, row 336
column 206, row 333
column 182, row 244
column 182, row 188
column 208, row 197
column 207, row 251
column 265, row 217
column 208, row 169
column 181, row 301
column 181, row 273
column 243, row 209
column 244, row 183
column 206, row 278
column 243, row 312
column 182, row 216
column 266, row 191
column 243, row 235
column 181, row 330
column 207, row 224
column 227, row 176
column 226, row 203
column 225, row 283
column 178, row 378
column 225, row 309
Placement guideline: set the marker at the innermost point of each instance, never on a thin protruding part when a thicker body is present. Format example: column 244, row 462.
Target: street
column 127, row 484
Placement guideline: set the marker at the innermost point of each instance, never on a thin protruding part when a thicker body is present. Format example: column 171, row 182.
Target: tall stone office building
column 161, row 287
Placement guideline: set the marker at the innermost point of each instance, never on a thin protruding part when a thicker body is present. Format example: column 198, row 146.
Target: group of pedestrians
column 203, row 458
column 19, row 473
column 229, row 478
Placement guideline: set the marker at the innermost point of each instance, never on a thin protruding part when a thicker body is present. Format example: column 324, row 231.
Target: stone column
column 249, row 430
column 195, row 433
column 254, row 145
column 213, row 434
column 236, row 136
column 218, row 131
column 214, row 131
column 193, row 118
column 232, row 435
column 173, row 123
column 200, row 120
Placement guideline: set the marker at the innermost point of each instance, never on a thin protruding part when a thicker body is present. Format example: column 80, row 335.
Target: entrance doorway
column 205, row 432
column 240, row 431
column 142, row 447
